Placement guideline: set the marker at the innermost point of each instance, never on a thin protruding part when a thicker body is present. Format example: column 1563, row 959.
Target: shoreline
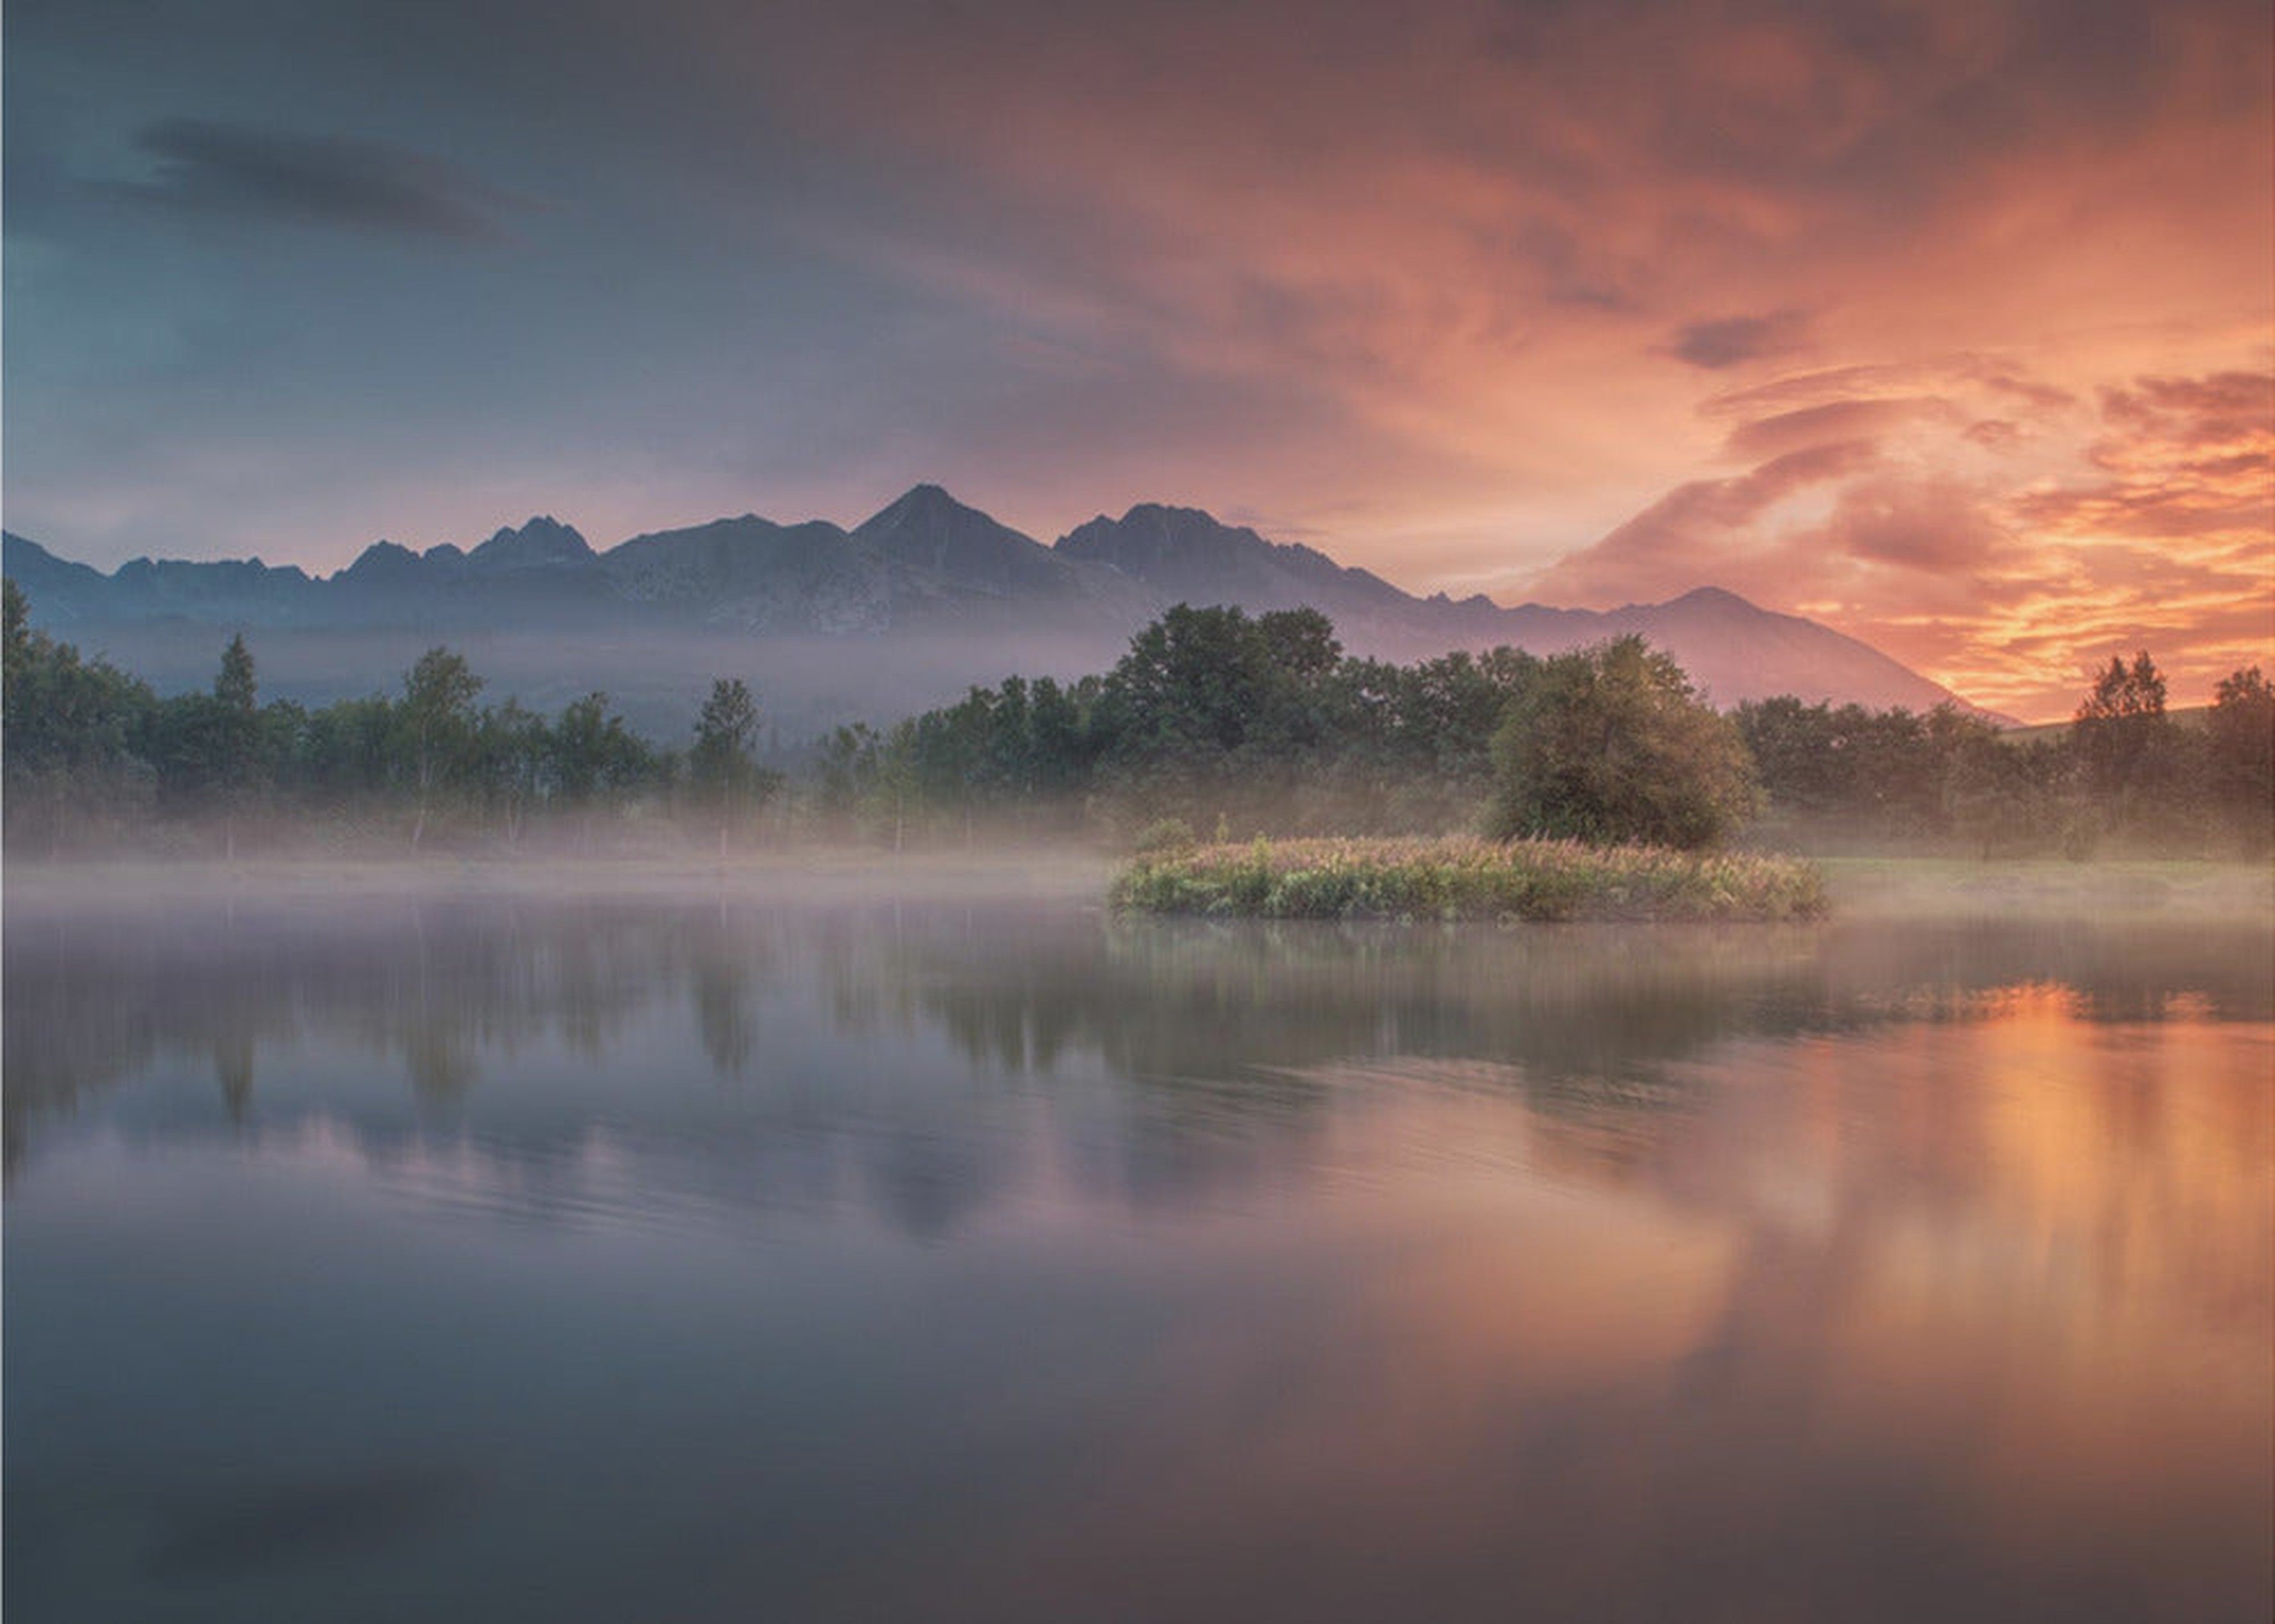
column 822, row 875
column 1857, row 889
column 2119, row 888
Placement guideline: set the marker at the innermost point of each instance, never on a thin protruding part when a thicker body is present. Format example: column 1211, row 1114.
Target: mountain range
column 902, row 611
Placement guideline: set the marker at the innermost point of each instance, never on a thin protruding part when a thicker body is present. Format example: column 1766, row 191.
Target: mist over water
column 874, row 1255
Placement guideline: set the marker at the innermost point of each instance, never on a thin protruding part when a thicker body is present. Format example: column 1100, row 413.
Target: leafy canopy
column 1611, row 743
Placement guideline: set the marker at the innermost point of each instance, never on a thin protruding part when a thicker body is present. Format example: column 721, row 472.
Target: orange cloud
column 1946, row 320
column 1501, row 250
column 2155, row 528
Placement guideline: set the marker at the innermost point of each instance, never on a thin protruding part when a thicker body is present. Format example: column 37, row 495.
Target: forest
column 1215, row 723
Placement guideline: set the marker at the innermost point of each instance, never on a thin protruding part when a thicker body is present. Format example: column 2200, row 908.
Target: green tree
column 2005, row 797
column 2240, row 746
column 69, row 726
column 1010, row 769
column 1186, row 684
column 2119, row 724
column 16, row 613
column 898, row 790
column 723, row 764
column 436, row 723
column 349, row 754
column 847, row 773
column 1611, row 743
column 183, row 739
column 1210, row 705
column 595, row 757
column 234, row 685
column 1061, row 756
column 1847, row 771
column 2134, row 762
column 512, row 748
column 238, row 737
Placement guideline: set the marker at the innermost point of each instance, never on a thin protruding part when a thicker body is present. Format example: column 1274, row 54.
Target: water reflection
column 1214, row 1038
column 439, row 987
column 1009, row 1263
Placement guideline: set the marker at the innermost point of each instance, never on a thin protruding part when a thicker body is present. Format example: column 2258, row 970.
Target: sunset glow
column 1949, row 325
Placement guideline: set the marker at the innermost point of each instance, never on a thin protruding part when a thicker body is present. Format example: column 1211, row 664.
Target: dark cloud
column 1733, row 340
column 223, row 169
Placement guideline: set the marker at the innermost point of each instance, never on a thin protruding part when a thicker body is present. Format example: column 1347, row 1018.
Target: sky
column 1950, row 324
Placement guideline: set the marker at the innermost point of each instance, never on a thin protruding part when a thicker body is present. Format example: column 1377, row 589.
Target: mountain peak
column 1170, row 513
column 543, row 540
column 1151, row 532
column 921, row 502
column 925, row 511
column 1713, row 597
column 924, row 508
column 1191, row 554
column 381, row 561
column 932, row 530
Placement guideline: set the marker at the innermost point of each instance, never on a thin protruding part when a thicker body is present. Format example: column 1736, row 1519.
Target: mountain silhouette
column 902, row 611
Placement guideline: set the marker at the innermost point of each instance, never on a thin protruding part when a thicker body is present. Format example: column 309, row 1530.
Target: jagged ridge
column 926, row 566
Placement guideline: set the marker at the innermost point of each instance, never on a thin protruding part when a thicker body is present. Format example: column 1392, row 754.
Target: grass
column 1463, row 878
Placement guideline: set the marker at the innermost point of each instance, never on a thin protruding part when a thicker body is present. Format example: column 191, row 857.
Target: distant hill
column 902, row 611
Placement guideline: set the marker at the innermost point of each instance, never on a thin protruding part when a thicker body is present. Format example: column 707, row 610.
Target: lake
column 736, row 1256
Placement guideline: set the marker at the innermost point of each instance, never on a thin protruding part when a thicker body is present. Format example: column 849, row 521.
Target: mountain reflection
column 972, row 1258
column 913, row 1059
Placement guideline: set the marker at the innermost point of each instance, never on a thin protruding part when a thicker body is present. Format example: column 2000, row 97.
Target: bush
column 1610, row 745
column 1164, row 834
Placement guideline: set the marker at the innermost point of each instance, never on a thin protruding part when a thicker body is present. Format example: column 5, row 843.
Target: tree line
column 2124, row 776
column 1215, row 722
column 92, row 753
column 1236, row 725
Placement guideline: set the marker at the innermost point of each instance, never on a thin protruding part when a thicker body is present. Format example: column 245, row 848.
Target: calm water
column 631, row 1261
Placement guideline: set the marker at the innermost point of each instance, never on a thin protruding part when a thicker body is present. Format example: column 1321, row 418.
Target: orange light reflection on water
column 2006, row 1274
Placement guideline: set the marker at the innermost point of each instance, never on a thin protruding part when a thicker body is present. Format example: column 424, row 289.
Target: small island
column 1457, row 877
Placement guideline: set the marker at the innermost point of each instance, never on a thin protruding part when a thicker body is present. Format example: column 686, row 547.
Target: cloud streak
column 2155, row 526
column 207, row 167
